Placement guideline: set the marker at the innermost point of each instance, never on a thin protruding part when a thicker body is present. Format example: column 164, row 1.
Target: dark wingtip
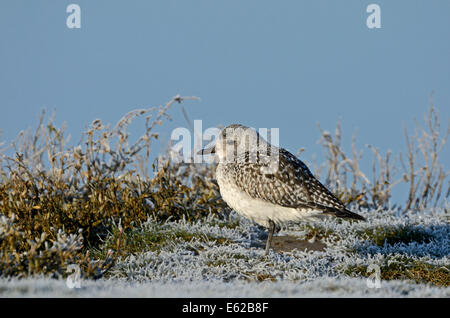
column 342, row 213
column 349, row 215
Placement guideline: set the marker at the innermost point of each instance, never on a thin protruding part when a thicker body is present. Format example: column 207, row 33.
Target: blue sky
column 285, row 64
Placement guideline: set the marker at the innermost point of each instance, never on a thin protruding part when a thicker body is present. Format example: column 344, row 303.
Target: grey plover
column 268, row 184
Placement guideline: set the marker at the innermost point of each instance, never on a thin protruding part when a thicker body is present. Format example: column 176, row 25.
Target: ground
column 392, row 254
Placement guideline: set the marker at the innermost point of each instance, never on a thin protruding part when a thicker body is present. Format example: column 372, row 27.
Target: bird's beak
column 207, row 151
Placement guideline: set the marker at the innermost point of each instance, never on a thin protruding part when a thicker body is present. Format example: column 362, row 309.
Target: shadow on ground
column 288, row 243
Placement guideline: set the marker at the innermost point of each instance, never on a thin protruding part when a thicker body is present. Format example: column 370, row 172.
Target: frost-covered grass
column 421, row 239
column 224, row 258
column 323, row 287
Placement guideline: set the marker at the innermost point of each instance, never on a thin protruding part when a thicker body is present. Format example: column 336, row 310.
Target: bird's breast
column 255, row 209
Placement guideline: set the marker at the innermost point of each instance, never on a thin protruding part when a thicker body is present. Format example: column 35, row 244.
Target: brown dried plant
column 57, row 202
column 423, row 171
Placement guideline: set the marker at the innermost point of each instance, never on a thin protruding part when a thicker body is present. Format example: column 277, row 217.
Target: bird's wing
column 291, row 185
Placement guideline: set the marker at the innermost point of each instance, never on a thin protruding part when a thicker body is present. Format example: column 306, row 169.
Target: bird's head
column 234, row 141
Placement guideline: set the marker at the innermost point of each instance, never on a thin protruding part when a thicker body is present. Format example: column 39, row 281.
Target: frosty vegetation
column 169, row 233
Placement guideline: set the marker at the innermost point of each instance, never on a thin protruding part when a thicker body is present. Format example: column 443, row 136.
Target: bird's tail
column 348, row 214
column 339, row 212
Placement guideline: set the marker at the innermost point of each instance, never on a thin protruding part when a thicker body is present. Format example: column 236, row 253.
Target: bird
column 268, row 184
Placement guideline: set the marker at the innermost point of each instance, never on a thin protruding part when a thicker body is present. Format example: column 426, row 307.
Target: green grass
column 392, row 235
column 418, row 272
column 138, row 241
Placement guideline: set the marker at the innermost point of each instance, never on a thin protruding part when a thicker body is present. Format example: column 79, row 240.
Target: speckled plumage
column 268, row 184
column 250, row 185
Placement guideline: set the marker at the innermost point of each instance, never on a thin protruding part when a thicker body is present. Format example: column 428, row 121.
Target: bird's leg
column 269, row 238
